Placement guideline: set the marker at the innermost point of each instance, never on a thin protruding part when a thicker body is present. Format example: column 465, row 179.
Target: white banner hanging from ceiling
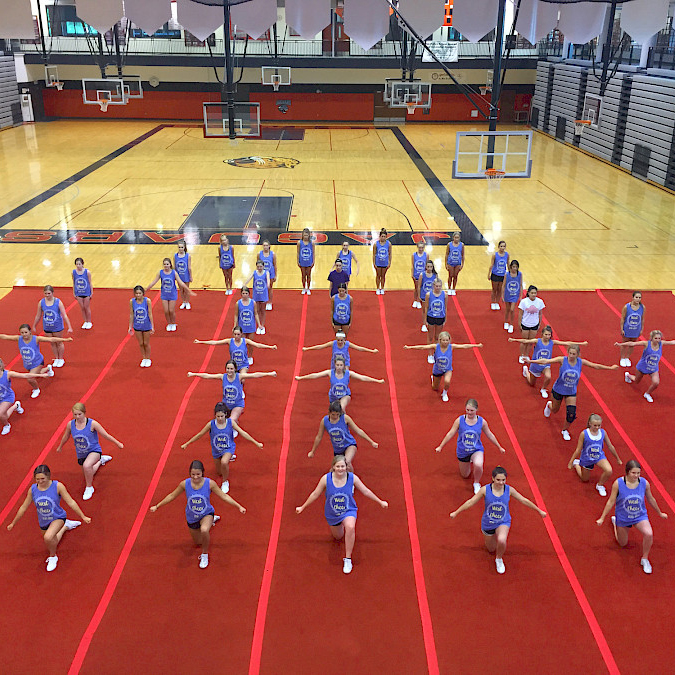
column 443, row 51
column 308, row 17
column 582, row 21
column 16, row 20
column 366, row 21
column 200, row 20
column 100, row 14
column 149, row 15
column 475, row 18
column 536, row 19
column 425, row 16
column 255, row 17
column 643, row 18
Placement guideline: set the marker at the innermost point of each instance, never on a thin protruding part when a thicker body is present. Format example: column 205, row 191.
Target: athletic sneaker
column 105, row 459
column 543, row 392
column 648, row 397
column 424, row 328
column 84, row 326
column 148, row 363
column 525, row 372
column 510, row 328
column 499, row 564
column 89, row 325
column 263, row 331
column 6, row 429
column 601, row 490
column 566, row 435
column 476, row 488
column 521, row 359
column 182, row 306
column 452, row 291
column 50, row 370
column 646, row 566
column 309, row 291
column 225, row 487
column 203, row 561
column 497, row 307
column 268, row 306
column 52, row 562
column 235, row 433
column 547, row 409
column 58, row 363
column 35, row 393
column 88, row 493
column 506, row 326
column 304, row 290
column 444, row 396
column 250, row 360
column 622, row 363
column 188, row 305
column 627, row 378
column 346, row 565
column 72, row 524
column 628, row 363
column 418, row 305
column 143, row 363
column 430, row 358
column 168, row 327
column 215, row 519
column 576, row 462
column 414, row 305
column 19, row 409
column 257, row 330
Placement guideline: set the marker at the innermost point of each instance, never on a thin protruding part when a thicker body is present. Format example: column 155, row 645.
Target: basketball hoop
column 275, row 84
column 494, row 178
column 411, row 108
column 59, row 86
column 103, row 104
column 483, row 91
column 580, row 125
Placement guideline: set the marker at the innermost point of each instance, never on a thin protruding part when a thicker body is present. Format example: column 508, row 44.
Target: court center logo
column 257, row 162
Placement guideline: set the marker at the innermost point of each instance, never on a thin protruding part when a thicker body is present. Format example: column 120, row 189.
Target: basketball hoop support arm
column 496, row 82
column 607, row 47
column 462, row 88
column 227, row 90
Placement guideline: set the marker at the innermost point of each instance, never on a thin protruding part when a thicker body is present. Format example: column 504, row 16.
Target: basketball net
column 275, row 84
column 580, row 125
column 494, row 178
column 103, row 104
column 411, row 108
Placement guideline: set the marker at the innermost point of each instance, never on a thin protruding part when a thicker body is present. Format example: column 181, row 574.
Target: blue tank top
column 339, row 500
column 592, row 451
column 85, row 440
column 513, row 287
column 630, row 503
column 226, row 257
column 48, row 504
column 632, row 324
column 168, row 285
column 81, row 283
column 340, row 435
column 468, row 437
column 246, row 316
column 180, row 262
column 6, row 391
column 499, row 267
column 260, row 291
column 346, row 261
column 52, row 321
column 306, row 254
column 426, row 284
column 442, row 360
column 342, row 310
column 568, row 378
column 233, row 392
column 496, row 509
column 222, row 440
column 419, row 264
column 268, row 262
column 30, row 353
column 541, row 351
column 342, row 352
column 239, row 354
column 649, row 361
column 381, row 254
column 339, row 386
column 141, row 314
column 436, row 305
column 198, row 501
column 455, row 254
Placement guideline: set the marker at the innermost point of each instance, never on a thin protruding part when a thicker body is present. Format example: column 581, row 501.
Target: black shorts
column 590, row 467
column 198, row 524
column 342, row 326
column 498, row 279
column 46, row 527
column 342, row 452
column 557, row 396
column 466, row 460
column 51, row 332
column 80, row 460
column 534, row 328
column 489, row 533
column 433, row 321
column 83, row 296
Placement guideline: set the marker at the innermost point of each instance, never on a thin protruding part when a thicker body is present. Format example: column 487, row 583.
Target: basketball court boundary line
column 566, row 565
column 418, row 568
column 270, row 557
column 116, row 574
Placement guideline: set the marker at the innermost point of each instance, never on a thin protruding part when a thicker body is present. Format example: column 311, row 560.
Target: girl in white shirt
column 529, row 309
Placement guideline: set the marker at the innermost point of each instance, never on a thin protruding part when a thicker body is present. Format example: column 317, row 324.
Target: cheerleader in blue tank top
column 226, row 262
column 269, row 260
column 340, row 347
column 246, row 312
column 54, row 319
column 141, row 323
column 632, row 323
column 240, row 348
column 419, row 263
column 348, row 259
column 199, row 511
column 305, row 250
column 513, row 288
column 426, row 284
column 454, row 261
column 628, row 497
column 183, row 263
column 442, row 360
column 8, row 402
column 382, row 254
column 260, row 283
column 47, row 494
column 649, row 361
column 469, row 428
column 82, row 290
column 168, row 292
column 341, row 315
column 85, row 432
column 495, row 523
column 340, row 508
column 436, row 306
column 499, row 263
column 565, row 387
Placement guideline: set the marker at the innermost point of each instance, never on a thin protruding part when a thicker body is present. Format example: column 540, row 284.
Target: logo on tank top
column 338, row 503
column 570, row 378
column 594, row 451
column 168, row 284
column 633, row 320
column 81, row 442
column 442, row 362
column 45, row 506
column 50, row 316
column 652, row 361
column 436, row 305
column 512, row 286
column 139, row 314
column 26, row 353
column 80, row 284
column 632, row 507
column 341, row 310
column 246, row 316
column 222, row 441
column 231, row 392
column 496, row 511
column 338, row 437
column 197, row 505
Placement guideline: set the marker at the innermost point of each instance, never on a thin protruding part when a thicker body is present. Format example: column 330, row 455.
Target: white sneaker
column 430, row 358
column 225, row 487
column 215, row 519
column 525, row 371
column 188, row 305
column 497, row 307
column 105, row 459
column 168, row 327
column 452, row 291
column 84, row 326
column 628, row 363
column 235, row 433
column 602, row 491
column 576, row 462
column 182, row 306
column 626, row 377
column 309, row 291
column 444, row 396
column 543, row 392
column 506, row 326
column 566, row 435
column 268, row 307
column 35, row 393
column 89, row 325
column 148, row 363
column 250, row 360
column 414, row 305
column 304, row 290
column 424, row 328
column 521, row 359
column 648, row 397
column 257, row 330
column 88, row 493
column 476, row 488
column 234, row 456
column 72, row 524
column 346, row 565
column 547, row 409
column 6, row 429
column 646, row 566
column 622, row 363
column 203, row 561
column 143, row 363
column 510, row 328
column 52, row 562
column 58, row 363
column 50, row 370
column 19, row 409
column 263, row 331
column 499, row 564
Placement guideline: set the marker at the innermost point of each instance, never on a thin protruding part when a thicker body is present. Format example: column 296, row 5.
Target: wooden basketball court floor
column 577, row 223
